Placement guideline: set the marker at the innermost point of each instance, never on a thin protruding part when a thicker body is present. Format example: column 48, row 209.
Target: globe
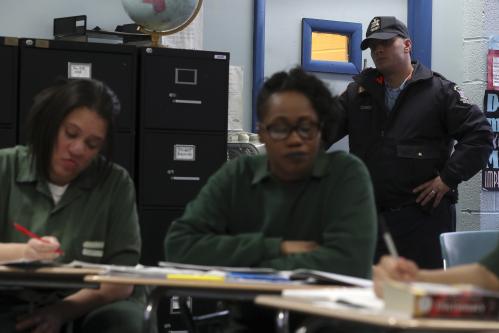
column 162, row 17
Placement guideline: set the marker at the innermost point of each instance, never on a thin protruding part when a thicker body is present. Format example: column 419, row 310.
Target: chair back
column 465, row 247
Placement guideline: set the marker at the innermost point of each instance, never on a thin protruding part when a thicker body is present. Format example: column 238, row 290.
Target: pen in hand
column 388, row 238
column 31, row 234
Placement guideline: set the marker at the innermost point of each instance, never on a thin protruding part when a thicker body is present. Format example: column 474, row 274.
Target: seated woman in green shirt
column 64, row 187
column 295, row 207
column 484, row 274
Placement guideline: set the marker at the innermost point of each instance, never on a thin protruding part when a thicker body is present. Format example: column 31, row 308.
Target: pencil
column 387, row 237
column 31, row 234
column 194, row 277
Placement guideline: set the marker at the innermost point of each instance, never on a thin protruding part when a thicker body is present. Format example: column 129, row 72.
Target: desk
column 238, row 291
column 58, row 277
column 376, row 318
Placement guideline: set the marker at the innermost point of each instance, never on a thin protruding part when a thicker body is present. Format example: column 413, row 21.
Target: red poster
column 493, row 70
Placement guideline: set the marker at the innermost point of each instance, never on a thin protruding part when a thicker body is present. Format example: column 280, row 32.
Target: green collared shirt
column 95, row 220
column 243, row 213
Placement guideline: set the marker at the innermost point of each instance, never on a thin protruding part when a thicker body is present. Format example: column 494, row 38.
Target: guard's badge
column 463, row 99
column 375, row 24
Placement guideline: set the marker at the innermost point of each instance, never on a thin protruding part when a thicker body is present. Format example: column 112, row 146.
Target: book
column 429, row 300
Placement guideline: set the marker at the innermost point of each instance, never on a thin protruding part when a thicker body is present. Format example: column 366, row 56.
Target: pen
column 388, row 238
column 31, row 234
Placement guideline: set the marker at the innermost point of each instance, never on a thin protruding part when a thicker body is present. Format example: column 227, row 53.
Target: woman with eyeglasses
column 295, row 207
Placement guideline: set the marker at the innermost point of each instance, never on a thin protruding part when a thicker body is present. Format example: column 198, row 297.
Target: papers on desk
column 308, row 276
column 155, row 272
column 256, row 270
column 321, row 277
column 170, row 270
column 341, row 297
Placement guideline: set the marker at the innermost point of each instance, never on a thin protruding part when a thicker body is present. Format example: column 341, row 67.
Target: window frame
column 352, row 30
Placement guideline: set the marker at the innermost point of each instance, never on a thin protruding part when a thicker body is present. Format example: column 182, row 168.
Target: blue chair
column 465, row 247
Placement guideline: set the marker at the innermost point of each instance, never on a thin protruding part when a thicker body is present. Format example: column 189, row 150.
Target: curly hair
column 297, row 80
column 53, row 104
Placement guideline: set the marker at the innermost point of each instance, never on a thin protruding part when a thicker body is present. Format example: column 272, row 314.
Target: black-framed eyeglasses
column 307, row 130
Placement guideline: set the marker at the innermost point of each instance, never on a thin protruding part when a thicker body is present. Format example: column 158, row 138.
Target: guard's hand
column 290, row 247
column 434, row 189
column 45, row 249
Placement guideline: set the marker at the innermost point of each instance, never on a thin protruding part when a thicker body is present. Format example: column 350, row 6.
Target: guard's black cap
column 384, row 27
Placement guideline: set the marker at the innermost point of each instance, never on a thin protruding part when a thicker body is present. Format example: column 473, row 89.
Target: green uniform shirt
column 491, row 261
column 95, row 220
column 243, row 213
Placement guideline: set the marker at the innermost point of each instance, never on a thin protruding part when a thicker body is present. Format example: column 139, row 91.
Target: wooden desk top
column 375, row 318
column 55, row 270
column 47, row 277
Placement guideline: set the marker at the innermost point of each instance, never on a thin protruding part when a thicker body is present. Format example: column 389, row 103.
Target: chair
column 465, row 247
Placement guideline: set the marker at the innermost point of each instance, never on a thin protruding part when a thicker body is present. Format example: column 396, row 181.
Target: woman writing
column 64, row 187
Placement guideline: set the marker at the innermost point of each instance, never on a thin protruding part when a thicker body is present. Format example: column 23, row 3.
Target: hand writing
column 44, row 249
column 389, row 268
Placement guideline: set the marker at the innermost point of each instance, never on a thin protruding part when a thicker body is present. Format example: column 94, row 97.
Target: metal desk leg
column 282, row 321
column 150, row 323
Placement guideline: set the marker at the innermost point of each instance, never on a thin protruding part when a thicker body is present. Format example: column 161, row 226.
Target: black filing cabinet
column 183, row 140
column 42, row 62
column 183, row 133
column 8, row 91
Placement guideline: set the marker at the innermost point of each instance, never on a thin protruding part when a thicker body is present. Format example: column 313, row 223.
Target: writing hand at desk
column 389, row 268
column 291, row 247
column 42, row 249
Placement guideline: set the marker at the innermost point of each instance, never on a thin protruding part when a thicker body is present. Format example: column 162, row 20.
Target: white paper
column 332, row 277
column 189, row 38
column 343, row 297
column 236, row 75
column 79, row 70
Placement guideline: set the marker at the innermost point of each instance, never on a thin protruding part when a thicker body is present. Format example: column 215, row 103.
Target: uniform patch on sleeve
column 463, row 99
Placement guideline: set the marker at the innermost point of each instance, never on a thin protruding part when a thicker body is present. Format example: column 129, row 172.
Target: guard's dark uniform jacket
column 412, row 143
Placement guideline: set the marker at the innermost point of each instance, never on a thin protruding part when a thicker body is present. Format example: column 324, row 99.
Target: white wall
column 447, row 40
column 228, row 26
column 34, row 18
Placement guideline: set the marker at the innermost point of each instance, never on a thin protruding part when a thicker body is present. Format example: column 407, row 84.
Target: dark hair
column 53, row 104
column 323, row 102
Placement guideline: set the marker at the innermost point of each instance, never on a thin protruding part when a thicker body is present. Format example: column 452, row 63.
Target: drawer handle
column 186, row 101
column 185, row 178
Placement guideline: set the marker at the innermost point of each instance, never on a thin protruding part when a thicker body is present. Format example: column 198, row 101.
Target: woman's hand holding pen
column 434, row 189
column 42, row 249
column 389, row 268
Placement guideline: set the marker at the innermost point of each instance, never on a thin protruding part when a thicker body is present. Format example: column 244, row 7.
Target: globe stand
column 155, row 36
